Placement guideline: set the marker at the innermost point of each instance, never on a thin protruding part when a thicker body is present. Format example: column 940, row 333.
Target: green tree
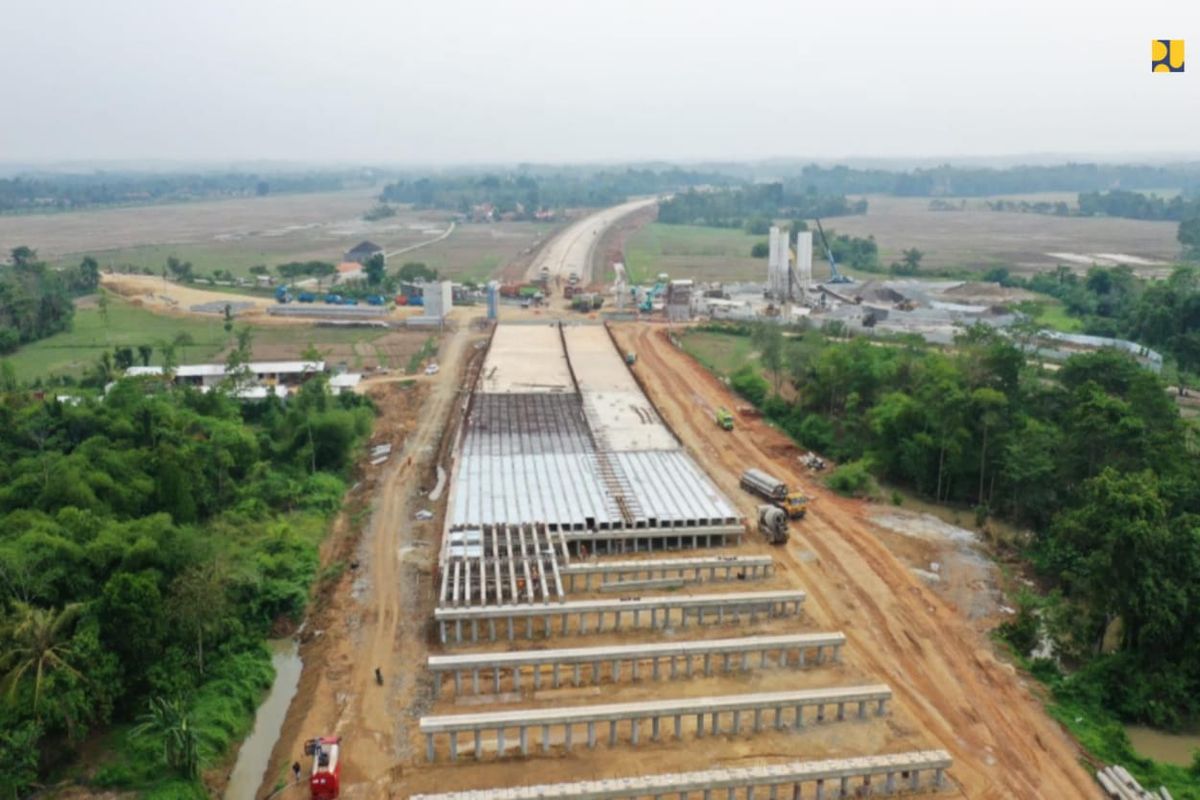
column 145, row 351
column 19, row 755
column 23, row 256
column 376, row 269
column 89, row 273
column 1189, row 236
column 760, row 250
column 770, row 342
column 198, row 603
column 183, row 340
column 167, row 722
column 37, row 645
column 413, row 271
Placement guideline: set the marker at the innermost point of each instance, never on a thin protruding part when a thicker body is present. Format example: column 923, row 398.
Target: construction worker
column 378, row 676
column 296, row 770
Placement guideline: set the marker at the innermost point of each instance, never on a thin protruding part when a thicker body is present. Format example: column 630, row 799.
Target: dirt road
column 944, row 674
column 379, row 613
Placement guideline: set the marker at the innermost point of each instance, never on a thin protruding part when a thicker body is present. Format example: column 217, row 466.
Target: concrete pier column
column 567, row 731
column 478, row 744
column 591, row 735
column 725, row 662
column 674, row 668
column 939, row 777
column 653, row 619
column 582, row 623
column 882, row 708
column 458, row 630
column 633, row 664
column 524, row 740
column 773, row 792
column 737, row 722
column 890, row 785
column 516, row 677
column 757, row 720
column 496, row 680
column 778, row 718
column 700, row 725
column 500, row 742
column 762, row 658
column 554, row 675
column 862, row 709
column 820, row 795
column 612, row 733
column 616, row 670
column 837, row 653
column 454, row 745
column 800, row 657
column 708, row 664
column 545, row 738
column 708, row 794
column 617, row 620
column 720, row 615
column 563, row 623
column 429, row 747
column 596, row 671
column 841, row 712
column 845, row 787
column 577, row 665
column 745, row 660
column 678, row 726
column 637, row 617
column 798, row 720
column 688, row 665
column 749, row 792
column 654, row 728
column 820, row 654
column 474, row 630
column 457, row 683
column 475, row 680
column 716, row 722
column 914, row 778
column 509, row 625
column 820, row 712
column 529, row 627
column 634, row 729
column 442, row 632
column 491, row 629
column 654, row 668
column 537, row 676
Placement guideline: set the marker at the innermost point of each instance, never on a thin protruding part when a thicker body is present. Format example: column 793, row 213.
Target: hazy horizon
column 465, row 84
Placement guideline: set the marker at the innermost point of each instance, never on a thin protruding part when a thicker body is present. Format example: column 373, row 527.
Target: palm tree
column 38, row 644
column 167, row 720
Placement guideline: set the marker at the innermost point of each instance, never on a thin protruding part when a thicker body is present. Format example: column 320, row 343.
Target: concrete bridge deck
column 733, row 653
column 657, row 610
column 780, row 704
column 919, row 771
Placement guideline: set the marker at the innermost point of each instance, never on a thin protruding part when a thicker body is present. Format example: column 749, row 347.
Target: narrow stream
column 1170, row 748
column 255, row 752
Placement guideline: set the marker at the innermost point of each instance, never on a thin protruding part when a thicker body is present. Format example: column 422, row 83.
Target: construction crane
column 836, row 275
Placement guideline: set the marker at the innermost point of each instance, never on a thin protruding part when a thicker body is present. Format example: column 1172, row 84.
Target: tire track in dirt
column 945, row 677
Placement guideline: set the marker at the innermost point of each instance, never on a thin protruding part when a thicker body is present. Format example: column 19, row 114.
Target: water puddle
column 1170, row 748
column 255, row 752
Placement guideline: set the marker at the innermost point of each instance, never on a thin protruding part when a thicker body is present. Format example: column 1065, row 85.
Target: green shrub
column 750, row 385
column 852, row 479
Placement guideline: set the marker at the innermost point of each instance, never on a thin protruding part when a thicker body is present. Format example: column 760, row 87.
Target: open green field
column 692, row 251
column 74, row 352
column 719, row 353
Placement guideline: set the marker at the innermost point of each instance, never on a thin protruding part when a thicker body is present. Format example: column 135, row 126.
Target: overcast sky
column 445, row 81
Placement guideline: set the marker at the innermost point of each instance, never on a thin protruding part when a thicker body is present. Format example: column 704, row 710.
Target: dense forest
column 149, row 541
column 524, row 192
column 753, row 207
column 36, row 301
column 1094, row 457
column 1113, row 301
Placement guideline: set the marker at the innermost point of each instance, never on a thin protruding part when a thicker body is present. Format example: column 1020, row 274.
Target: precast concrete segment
column 649, row 661
column 524, row 359
column 864, row 701
column 460, row 624
column 919, row 771
column 579, row 576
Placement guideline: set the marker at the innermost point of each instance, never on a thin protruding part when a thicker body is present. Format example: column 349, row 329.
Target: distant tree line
column 522, row 193
column 752, row 207
column 60, row 192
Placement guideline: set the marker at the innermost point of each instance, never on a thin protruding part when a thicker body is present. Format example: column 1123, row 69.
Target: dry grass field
column 235, row 235
column 973, row 238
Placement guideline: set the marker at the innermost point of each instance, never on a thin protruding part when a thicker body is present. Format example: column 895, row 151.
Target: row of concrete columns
column 570, row 620
column 780, row 717
column 658, row 666
column 645, row 541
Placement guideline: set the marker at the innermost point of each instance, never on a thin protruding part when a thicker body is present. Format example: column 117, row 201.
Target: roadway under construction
column 567, row 486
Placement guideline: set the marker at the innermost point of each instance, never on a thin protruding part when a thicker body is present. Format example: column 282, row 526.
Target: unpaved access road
column 945, row 675
column 571, row 250
column 379, row 613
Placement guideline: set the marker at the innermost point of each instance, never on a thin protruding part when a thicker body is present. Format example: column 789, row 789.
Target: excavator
column 836, row 275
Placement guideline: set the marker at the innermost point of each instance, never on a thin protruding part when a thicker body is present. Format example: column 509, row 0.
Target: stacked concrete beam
column 786, row 709
column 458, row 624
column 672, row 659
column 689, row 570
column 841, row 777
